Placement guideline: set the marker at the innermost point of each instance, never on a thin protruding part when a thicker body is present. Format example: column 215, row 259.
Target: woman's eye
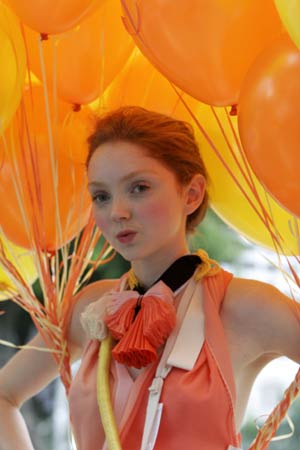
column 140, row 187
column 100, row 197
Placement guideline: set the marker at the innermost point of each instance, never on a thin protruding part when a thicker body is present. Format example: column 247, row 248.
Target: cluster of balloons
column 190, row 59
column 53, row 63
column 54, row 57
column 244, row 54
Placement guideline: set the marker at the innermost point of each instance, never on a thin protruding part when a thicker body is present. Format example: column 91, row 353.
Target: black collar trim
column 177, row 274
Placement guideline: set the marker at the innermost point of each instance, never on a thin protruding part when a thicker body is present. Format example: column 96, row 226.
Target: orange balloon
column 269, row 121
column 46, row 200
column 48, row 17
column 139, row 83
column 204, row 47
column 81, row 63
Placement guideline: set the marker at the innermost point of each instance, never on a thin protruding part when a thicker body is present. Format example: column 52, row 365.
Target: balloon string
column 278, row 239
column 271, row 425
column 265, row 216
column 247, row 177
column 135, row 26
column 220, row 157
column 102, row 47
column 20, row 127
column 277, row 242
column 20, row 72
column 296, row 232
column 54, row 171
column 250, row 179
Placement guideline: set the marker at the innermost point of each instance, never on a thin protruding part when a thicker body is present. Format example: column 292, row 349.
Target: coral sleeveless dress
column 198, row 394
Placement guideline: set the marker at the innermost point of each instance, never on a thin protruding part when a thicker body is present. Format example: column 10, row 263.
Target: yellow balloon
column 23, row 261
column 235, row 207
column 289, row 11
column 13, row 65
column 139, row 83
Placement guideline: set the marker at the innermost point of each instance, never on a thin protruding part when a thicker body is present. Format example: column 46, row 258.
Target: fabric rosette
column 140, row 323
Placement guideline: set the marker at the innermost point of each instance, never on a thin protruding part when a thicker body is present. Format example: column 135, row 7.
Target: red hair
column 170, row 141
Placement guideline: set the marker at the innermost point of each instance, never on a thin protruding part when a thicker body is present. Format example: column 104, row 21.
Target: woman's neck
column 148, row 271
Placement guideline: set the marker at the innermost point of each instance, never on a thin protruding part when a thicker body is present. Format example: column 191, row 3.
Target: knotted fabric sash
column 140, row 323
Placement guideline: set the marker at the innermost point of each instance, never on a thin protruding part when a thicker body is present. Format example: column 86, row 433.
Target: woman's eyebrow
column 125, row 178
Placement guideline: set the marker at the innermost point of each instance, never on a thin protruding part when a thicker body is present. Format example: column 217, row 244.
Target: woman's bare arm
column 260, row 324
column 267, row 321
column 29, row 371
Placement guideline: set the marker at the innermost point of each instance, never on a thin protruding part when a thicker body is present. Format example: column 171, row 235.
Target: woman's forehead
column 122, row 154
column 123, row 161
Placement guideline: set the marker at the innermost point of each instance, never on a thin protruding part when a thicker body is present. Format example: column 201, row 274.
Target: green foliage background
column 217, row 239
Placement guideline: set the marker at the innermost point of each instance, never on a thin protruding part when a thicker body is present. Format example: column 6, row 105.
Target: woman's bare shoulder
column 262, row 315
column 91, row 293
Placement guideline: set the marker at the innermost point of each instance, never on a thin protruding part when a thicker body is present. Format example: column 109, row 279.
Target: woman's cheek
column 100, row 220
column 154, row 212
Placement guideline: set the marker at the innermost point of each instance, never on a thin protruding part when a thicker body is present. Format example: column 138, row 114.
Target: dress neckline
column 176, row 274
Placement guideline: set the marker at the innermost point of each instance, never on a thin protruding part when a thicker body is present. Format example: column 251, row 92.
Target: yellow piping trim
column 103, row 395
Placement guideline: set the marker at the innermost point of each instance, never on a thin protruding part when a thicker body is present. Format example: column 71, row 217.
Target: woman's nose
column 120, row 210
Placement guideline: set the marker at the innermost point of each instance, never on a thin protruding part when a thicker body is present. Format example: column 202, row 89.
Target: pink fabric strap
column 175, row 355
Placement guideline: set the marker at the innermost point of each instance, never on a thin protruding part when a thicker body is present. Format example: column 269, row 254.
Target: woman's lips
column 126, row 236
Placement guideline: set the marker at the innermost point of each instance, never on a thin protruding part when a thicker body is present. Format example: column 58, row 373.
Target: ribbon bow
column 140, row 323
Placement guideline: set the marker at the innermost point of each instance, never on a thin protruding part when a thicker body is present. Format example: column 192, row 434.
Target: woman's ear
column 195, row 192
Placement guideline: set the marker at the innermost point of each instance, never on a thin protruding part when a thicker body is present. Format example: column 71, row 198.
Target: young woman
column 188, row 330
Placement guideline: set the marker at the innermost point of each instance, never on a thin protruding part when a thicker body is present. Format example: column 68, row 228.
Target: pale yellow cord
column 132, row 280
column 103, row 395
column 208, row 267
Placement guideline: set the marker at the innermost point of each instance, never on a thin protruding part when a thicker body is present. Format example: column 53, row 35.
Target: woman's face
column 137, row 202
